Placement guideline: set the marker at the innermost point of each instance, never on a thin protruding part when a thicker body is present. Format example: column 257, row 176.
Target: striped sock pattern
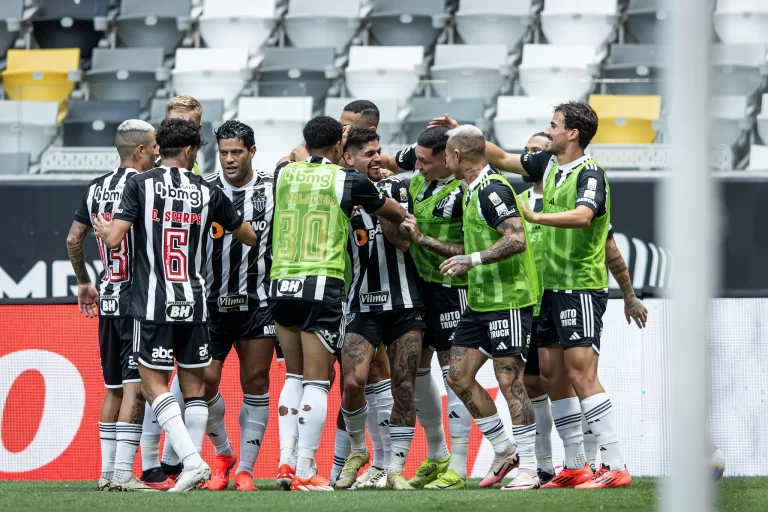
column 108, row 442
column 598, row 411
column 525, row 438
column 493, row 430
column 168, row 414
column 566, row 414
column 196, row 420
column 216, row 428
column 355, row 422
column 254, row 414
column 401, row 443
column 544, row 423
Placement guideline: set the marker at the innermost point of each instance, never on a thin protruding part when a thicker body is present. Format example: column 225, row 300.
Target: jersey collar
column 318, row 160
column 480, row 177
column 563, row 171
column 248, row 185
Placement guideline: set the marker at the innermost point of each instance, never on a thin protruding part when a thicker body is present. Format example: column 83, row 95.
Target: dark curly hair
column 579, row 116
column 322, row 132
column 369, row 112
column 358, row 137
column 236, row 130
column 173, row 135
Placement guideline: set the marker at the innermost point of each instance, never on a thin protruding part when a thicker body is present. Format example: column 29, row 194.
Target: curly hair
column 173, row 135
column 322, row 132
column 358, row 137
column 236, row 130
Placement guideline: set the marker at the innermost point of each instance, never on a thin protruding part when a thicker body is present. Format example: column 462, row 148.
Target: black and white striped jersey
column 383, row 277
column 238, row 275
column 171, row 210
column 102, row 196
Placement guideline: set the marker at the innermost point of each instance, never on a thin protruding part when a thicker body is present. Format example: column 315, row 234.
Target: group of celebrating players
column 339, row 257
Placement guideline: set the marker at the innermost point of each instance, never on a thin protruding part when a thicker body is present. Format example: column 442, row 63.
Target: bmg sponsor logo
column 186, row 193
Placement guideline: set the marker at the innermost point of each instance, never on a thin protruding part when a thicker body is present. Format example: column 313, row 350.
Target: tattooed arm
column 429, row 243
column 394, row 235
column 87, row 295
column 633, row 307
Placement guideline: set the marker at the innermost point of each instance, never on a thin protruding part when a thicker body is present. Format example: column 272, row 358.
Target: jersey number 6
column 175, row 242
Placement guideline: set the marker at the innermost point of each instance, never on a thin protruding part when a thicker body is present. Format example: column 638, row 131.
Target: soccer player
column 384, row 312
column 171, row 211
column 502, row 290
column 237, row 303
column 314, row 200
column 122, row 411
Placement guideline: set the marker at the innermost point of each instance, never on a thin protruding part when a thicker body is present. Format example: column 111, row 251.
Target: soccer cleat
column 428, row 472
column 220, row 469
column 244, row 482
column 189, row 478
column 448, row 481
column 310, row 484
column 397, row 482
column 172, row 472
column 606, row 478
column 502, row 464
column 132, row 485
column 569, row 478
column 526, row 480
column 285, row 474
column 544, row 476
column 103, row 484
column 352, row 466
column 372, row 478
column 156, row 479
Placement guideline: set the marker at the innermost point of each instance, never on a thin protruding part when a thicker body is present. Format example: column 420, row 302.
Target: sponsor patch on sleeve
column 592, row 183
column 502, row 210
column 589, row 194
column 495, row 199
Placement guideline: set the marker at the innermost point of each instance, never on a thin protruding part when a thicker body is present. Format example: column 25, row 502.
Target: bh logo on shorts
column 568, row 318
column 162, row 354
column 179, row 310
column 290, row 286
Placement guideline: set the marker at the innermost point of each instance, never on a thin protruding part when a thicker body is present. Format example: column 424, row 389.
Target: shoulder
column 213, row 177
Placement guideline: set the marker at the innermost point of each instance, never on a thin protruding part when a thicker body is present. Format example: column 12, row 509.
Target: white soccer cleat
column 372, row 478
column 189, row 478
column 526, row 480
column 132, row 485
column 502, row 464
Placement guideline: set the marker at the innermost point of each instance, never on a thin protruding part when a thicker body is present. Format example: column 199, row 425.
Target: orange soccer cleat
column 310, row 484
column 606, row 478
column 569, row 478
column 244, row 482
column 156, row 479
column 220, row 468
column 285, row 474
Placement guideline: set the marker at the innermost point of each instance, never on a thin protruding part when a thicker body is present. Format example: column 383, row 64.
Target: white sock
column 196, row 419
column 525, row 438
column 168, row 414
column 493, row 430
column 590, row 442
column 216, row 428
column 355, row 422
column 169, row 455
column 150, row 440
column 312, row 413
column 128, row 437
column 543, row 412
column 384, row 404
column 459, row 426
column 341, row 450
column 401, row 443
column 107, row 439
column 429, row 411
column 254, row 414
column 599, row 414
column 287, row 418
column 567, row 416
column 372, row 426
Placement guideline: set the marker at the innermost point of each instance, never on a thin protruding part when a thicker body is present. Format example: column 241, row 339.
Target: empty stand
column 758, row 158
column 737, row 68
column 586, row 22
column 94, row 123
column 469, row 71
column 153, row 23
column 625, row 119
column 232, row 23
column 423, row 110
column 14, row 163
column 211, row 73
column 313, row 24
column 389, row 122
column 71, row 24
column 407, row 23
column 634, row 69
column 646, row 20
column 125, row 74
column 277, row 122
column 519, row 117
column 762, row 120
column 729, row 121
column 11, row 12
column 27, row 126
column 557, row 70
column 296, row 72
column 741, row 21
column 493, row 21
column 384, row 72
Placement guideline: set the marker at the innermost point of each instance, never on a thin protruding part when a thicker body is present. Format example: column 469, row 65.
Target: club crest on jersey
column 403, row 195
column 186, row 193
column 234, row 301
column 374, row 298
column 109, row 304
column 290, row 286
column 179, row 310
column 259, row 201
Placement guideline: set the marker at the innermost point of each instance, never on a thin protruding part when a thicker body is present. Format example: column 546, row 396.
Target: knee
column 533, row 385
column 458, row 383
column 354, row 383
column 254, row 381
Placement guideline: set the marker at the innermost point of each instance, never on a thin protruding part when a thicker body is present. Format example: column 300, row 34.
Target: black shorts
column 119, row 351
column 326, row 319
column 532, row 363
column 495, row 333
column 160, row 344
column 572, row 319
column 379, row 327
column 226, row 329
column 443, row 307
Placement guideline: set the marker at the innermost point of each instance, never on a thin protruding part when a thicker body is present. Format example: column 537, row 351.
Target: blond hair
column 184, row 104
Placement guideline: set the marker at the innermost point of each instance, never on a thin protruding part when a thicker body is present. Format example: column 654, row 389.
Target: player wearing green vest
column 502, row 291
column 314, row 200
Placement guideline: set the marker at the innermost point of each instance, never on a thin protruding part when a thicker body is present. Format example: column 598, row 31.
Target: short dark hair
column 367, row 109
column 434, row 138
column 540, row 134
column 322, row 132
column 579, row 116
column 236, row 130
column 173, row 135
column 358, row 137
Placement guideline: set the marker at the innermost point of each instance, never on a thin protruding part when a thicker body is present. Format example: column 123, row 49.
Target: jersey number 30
column 175, row 242
column 312, row 238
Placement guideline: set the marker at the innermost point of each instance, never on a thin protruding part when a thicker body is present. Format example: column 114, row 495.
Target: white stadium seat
column 728, row 114
column 314, row 24
column 762, row 119
column 558, row 70
column 251, row 26
column 493, row 21
column 27, row 126
column 389, row 124
column 277, row 122
column 519, row 117
column 758, row 158
column 587, row 21
column 737, row 68
column 469, row 71
column 742, row 21
column 211, row 73
column 384, row 72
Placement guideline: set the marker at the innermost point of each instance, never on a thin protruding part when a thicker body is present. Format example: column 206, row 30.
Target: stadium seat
column 313, row 24
column 646, row 19
column 14, row 163
column 389, row 123
column 71, row 24
column 296, row 72
column 519, row 117
column 27, row 126
column 94, row 123
column 729, row 121
column 41, row 75
column 384, row 72
column 469, row 71
column 588, row 22
column 211, row 73
column 153, row 24
column 762, row 119
column 741, row 21
column 635, row 69
column 276, row 122
column 423, row 110
column 625, row 119
column 232, row 23
column 758, row 158
column 493, row 21
column 557, row 70
column 125, row 74
column 737, row 68
column 407, row 23
column 11, row 12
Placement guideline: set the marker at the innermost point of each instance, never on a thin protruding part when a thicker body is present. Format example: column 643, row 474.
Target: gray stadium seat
column 94, row 123
column 564, row 21
column 423, row 110
column 729, row 121
column 384, row 72
column 27, row 126
column 71, row 24
column 296, row 72
column 276, row 122
column 493, row 21
column 646, row 19
column 389, row 124
column 407, row 23
column 211, row 73
column 558, row 69
column 635, row 69
column 737, row 68
column 11, row 12
column 14, row 163
column 125, row 74
column 469, row 71
column 313, row 24
column 739, row 21
column 233, row 23
column 153, row 24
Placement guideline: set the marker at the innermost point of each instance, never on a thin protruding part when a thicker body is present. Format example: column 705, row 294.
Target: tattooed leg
column 509, row 373
column 356, row 357
column 404, row 355
column 132, row 406
column 465, row 363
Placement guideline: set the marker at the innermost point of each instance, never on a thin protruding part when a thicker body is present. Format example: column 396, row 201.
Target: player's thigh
column 255, row 357
column 469, row 351
column 287, row 319
column 324, row 327
column 212, row 378
column 443, row 308
column 404, row 353
column 132, row 407
column 380, row 370
column 356, row 357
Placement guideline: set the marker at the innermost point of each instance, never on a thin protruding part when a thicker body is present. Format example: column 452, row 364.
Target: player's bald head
column 468, row 139
column 131, row 134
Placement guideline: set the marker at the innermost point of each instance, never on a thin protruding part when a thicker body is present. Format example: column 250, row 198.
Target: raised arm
column 633, row 307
